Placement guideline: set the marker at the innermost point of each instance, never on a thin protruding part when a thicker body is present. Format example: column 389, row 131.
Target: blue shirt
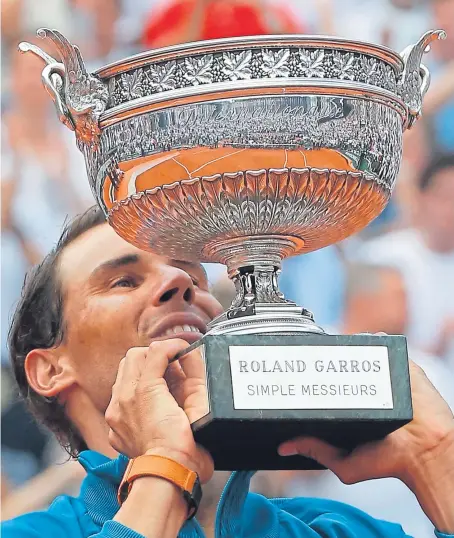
column 240, row 514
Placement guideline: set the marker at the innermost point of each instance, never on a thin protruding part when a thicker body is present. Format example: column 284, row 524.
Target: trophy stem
column 257, row 284
column 259, row 306
column 253, row 251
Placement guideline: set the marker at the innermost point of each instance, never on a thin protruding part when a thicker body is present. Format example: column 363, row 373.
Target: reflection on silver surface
column 242, row 151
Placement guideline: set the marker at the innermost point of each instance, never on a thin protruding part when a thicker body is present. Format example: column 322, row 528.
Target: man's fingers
column 134, row 362
column 119, row 377
column 206, row 468
column 193, row 365
column 364, row 463
column 128, row 375
column 175, row 379
column 159, row 354
column 327, row 455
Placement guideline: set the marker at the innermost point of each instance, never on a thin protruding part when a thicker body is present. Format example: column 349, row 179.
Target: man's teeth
column 181, row 329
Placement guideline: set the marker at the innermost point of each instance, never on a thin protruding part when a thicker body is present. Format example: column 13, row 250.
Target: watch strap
column 160, row 466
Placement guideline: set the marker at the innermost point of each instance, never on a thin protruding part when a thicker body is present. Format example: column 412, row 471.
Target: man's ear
column 48, row 371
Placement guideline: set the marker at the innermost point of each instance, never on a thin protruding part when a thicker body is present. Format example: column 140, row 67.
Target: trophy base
column 264, row 389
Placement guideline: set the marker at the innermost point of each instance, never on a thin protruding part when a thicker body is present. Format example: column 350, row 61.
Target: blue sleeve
column 113, row 529
column 332, row 519
column 39, row 524
column 315, row 518
column 65, row 518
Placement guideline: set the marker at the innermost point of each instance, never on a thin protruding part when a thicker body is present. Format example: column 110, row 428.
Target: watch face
column 193, row 498
column 124, row 488
column 123, row 491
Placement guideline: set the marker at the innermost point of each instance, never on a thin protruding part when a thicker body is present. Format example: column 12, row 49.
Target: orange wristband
column 153, row 465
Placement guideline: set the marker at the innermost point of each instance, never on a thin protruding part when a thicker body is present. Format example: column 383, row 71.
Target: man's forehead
column 95, row 248
column 92, row 248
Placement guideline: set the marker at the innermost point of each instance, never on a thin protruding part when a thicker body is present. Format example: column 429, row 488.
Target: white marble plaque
column 310, row 377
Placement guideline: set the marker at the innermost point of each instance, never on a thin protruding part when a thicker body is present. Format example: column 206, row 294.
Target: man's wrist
column 182, row 457
column 431, row 479
column 169, row 512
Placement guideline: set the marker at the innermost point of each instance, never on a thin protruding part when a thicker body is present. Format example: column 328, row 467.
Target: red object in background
column 170, row 24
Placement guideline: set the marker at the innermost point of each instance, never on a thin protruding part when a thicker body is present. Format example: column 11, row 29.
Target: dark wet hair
column 38, row 323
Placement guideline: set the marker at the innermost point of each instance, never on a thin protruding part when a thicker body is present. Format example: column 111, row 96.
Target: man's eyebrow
column 121, row 261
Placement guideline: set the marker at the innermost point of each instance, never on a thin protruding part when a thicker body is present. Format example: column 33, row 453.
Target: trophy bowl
column 246, row 151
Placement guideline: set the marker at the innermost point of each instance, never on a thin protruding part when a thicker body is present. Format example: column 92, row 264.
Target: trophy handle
column 80, row 98
column 415, row 79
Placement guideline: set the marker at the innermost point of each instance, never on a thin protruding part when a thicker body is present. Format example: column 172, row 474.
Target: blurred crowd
column 396, row 276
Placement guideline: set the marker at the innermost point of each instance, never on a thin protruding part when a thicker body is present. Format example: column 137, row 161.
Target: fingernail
column 287, row 450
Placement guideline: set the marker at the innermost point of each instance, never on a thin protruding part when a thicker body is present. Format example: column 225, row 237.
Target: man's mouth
column 186, row 326
column 181, row 329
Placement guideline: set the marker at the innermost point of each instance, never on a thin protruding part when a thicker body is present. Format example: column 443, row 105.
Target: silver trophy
column 246, row 151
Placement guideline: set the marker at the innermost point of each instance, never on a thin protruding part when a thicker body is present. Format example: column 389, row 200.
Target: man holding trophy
column 240, row 151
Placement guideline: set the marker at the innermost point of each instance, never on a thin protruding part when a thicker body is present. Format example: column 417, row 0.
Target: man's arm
column 421, row 454
column 147, row 419
column 432, row 482
column 154, row 508
column 169, row 509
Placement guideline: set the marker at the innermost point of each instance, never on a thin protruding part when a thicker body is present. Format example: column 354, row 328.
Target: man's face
column 117, row 297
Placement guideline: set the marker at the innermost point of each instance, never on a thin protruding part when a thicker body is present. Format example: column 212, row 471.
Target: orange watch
column 153, row 465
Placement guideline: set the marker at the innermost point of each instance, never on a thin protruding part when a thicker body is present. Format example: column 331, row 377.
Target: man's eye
column 125, row 282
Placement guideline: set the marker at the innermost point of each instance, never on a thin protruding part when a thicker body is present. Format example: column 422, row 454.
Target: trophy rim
column 251, row 89
column 218, row 45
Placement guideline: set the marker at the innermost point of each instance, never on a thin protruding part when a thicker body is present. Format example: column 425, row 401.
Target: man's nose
column 176, row 285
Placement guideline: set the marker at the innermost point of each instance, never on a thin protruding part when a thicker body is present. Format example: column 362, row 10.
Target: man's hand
column 153, row 405
column 421, row 454
column 151, row 410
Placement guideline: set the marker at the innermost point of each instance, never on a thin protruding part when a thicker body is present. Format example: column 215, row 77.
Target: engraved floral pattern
column 275, row 62
column 251, row 64
column 345, row 64
column 132, row 84
column 115, row 92
column 311, row 63
column 198, row 70
column 371, row 71
column 390, row 82
column 237, row 65
column 162, row 77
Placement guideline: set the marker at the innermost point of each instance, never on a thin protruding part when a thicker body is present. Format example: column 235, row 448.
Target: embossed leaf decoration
column 236, row 65
column 132, row 82
column 346, row 67
column 198, row 69
column 312, row 62
column 275, row 62
column 112, row 87
column 371, row 67
column 162, row 76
